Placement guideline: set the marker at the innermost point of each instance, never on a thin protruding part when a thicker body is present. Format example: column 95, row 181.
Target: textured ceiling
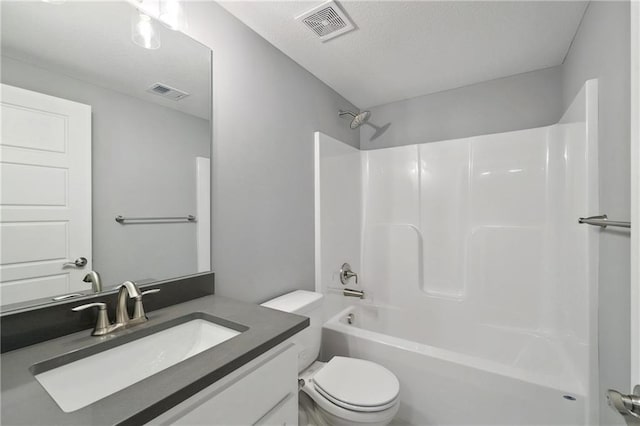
column 91, row 41
column 403, row 49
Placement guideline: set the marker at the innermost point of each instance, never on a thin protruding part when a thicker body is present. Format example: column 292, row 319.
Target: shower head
column 358, row 119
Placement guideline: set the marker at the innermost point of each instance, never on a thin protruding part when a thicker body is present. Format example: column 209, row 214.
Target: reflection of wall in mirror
column 143, row 164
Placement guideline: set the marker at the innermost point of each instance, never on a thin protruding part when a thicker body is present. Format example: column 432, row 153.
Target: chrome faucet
column 138, row 308
column 128, row 290
column 353, row 293
column 346, row 274
column 103, row 326
column 94, row 278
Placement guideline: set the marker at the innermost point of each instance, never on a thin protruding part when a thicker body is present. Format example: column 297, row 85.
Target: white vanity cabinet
column 262, row 392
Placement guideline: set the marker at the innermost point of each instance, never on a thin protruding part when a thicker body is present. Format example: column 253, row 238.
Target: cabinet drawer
column 283, row 414
column 245, row 396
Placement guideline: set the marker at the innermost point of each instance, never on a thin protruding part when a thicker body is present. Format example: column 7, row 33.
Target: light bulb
column 171, row 14
column 143, row 32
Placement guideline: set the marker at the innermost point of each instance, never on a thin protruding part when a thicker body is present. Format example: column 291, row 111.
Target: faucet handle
column 138, row 308
column 100, row 305
column 346, row 273
column 102, row 323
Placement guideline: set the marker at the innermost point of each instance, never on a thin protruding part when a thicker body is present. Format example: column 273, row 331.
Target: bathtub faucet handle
column 346, row 274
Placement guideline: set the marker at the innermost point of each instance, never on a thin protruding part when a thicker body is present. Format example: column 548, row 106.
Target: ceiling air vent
column 327, row 20
column 167, row 92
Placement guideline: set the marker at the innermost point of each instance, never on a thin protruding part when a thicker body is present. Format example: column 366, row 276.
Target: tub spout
column 353, row 293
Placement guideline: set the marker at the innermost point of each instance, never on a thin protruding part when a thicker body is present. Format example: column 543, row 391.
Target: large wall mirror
column 106, row 145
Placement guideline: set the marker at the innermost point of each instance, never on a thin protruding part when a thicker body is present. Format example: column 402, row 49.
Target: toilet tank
column 309, row 304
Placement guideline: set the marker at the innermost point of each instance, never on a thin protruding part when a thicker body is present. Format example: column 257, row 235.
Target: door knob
column 627, row 405
column 80, row 262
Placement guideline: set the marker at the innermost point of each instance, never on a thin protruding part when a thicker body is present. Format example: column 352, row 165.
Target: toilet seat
column 354, row 390
column 357, row 384
column 352, row 407
column 350, row 416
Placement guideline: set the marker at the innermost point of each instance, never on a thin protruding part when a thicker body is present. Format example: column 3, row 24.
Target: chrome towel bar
column 603, row 221
column 122, row 219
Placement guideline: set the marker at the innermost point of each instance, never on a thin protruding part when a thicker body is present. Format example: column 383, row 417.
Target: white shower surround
column 474, row 267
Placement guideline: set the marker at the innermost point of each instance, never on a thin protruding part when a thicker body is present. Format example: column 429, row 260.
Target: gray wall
column 266, row 108
column 512, row 103
column 143, row 164
column 601, row 50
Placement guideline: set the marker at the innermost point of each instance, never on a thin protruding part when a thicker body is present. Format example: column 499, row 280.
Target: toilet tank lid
column 296, row 302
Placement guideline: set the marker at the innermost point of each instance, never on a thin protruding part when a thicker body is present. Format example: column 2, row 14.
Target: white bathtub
column 492, row 376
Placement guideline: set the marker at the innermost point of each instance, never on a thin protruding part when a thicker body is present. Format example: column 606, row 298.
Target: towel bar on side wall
column 122, row 219
column 603, row 221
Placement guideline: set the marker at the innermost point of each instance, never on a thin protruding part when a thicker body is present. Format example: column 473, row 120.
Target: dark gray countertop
column 24, row 400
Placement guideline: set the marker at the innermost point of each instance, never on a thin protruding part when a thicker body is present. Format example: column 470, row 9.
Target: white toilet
column 345, row 391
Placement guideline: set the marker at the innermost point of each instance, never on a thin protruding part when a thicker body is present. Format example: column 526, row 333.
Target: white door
column 45, row 198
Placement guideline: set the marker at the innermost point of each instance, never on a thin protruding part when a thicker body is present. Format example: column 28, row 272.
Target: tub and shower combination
column 480, row 287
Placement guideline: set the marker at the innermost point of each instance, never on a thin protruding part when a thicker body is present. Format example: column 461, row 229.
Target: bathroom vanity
column 262, row 392
column 250, row 378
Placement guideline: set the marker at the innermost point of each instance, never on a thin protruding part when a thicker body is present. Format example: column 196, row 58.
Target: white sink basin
column 87, row 380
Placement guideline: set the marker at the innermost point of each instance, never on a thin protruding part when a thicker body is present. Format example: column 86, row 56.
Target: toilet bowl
column 344, row 391
column 349, row 391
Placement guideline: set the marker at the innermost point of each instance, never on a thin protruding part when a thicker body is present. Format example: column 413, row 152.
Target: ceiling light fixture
column 143, row 32
column 171, row 14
